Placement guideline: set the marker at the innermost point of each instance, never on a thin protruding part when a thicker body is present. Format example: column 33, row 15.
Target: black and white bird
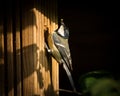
column 58, row 46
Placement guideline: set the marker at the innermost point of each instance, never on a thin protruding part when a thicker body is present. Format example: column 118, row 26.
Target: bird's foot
column 49, row 51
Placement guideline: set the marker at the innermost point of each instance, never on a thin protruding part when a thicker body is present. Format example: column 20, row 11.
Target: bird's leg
column 48, row 49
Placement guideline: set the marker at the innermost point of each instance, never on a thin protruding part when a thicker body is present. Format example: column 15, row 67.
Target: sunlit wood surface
column 26, row 69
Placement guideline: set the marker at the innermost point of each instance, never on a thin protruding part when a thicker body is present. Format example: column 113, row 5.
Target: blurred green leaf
column 87, row 80
column 105, row 87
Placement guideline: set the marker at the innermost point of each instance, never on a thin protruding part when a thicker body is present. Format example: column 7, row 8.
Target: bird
column 58, row 47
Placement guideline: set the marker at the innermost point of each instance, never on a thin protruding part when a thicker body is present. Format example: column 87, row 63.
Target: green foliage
column 99, row 83
column 105, row 87
column 87, row 80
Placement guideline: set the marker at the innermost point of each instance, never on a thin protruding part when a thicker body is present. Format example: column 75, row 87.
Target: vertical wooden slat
column 27, row 45
column 18, row 51
column 1, row 58
column 5, row 54
column 10, row 58
column 28, row 48
column 21, row 45
column 8, row 50
column 35, row 55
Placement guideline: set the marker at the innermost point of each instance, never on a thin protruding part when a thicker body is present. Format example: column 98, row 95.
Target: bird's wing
column 63, row 47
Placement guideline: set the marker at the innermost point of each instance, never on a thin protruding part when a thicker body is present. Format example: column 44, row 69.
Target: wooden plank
column 10, row 65
column 41, row 62
column 36, row 52
column 1, row 58
column 27, row 48
column 38, row 79
column 18, row 50
column 8, row 51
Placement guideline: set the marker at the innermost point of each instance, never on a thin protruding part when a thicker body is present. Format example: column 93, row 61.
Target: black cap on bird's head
column 62, row 30
column 61, row 22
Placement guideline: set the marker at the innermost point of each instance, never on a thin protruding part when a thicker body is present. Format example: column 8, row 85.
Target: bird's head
column 62, row 30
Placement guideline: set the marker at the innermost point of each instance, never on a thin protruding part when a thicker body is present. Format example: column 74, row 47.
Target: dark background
column 93, row 38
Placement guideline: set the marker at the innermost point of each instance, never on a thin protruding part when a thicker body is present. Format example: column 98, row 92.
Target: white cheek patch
column 61, row 30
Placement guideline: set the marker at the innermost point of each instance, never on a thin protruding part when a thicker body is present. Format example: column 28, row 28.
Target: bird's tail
column 69, row 76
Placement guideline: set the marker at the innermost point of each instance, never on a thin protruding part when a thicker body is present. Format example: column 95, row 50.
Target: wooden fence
column 25, row 67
